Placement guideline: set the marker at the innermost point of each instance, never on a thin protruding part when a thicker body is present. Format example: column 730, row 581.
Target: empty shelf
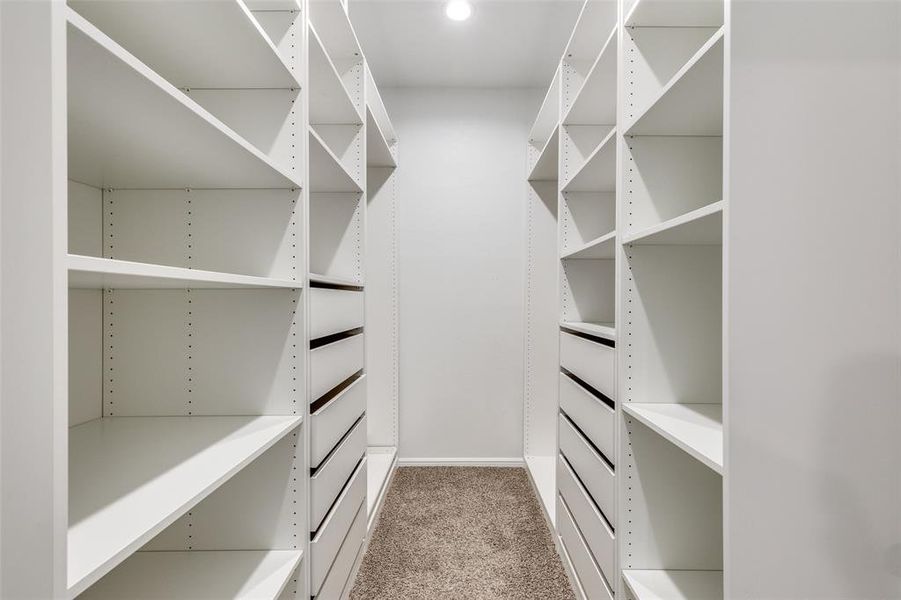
column 376, row 106
column 548, row 117
column 703, row 226
column 695, row 428
column 545, row 168
column 334, row 28
column 379, row 153
column 378, row 469
column 674, row 585
column 199, row 575
column 101, row 273
column 330, row 102
column 604, row 330
column 175, row 39
column 340, row 281
column 602, row 247
column 692, row 102
column 598, row 174
column 327, row 172
column 542, row 471
column 684, row 13
column 595, row 102
column 131, row 477
column 129, row 128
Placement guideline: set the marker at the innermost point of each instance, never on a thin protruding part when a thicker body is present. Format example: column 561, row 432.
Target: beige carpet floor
column 474, row 533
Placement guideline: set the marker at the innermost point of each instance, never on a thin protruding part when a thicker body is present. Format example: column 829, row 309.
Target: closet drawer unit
column 331, row 475
column 336, row 579
column 329, row 424
column 325, row 546
column 592, row 362
column 334, row 311
column 597, row 535
column 333, row 363
column 591, row 469
column 595, row 418
column 593, row 583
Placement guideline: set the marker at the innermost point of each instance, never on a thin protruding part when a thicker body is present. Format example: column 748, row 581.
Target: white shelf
column 678, row 13
column 546, row 166
column 674, row 585
column 330, row 102
column 379, row 153
column 376, row 106
column 695, row 428
column 129, row 128
column 543, row 472
column 327, row 172
column 335, row 30
column 595, row 102
column 131, row 477
column 703, row 226
column 598, row 174
column 601, row 247
column 175, row 39
column 379, row 463
column 548, row 118
column 92, row 272
column 692, row 102
column 604, row 330
column 316, row 278
column 199, row 575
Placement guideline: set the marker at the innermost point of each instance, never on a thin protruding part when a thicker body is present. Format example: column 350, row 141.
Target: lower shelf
column 543, row 472
column 604, row 330
column 381, row 461
column 695, row 428
column 199, row 575
column 674, row 585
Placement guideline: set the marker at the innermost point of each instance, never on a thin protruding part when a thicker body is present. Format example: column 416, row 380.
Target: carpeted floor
column 461, row 532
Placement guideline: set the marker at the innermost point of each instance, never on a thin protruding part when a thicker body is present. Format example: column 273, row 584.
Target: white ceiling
column 506, row 43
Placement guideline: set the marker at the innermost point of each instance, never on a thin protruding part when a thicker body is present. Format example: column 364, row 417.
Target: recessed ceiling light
column 458, row 10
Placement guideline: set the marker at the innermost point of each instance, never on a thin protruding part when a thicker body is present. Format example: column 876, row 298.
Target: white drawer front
column 592, row 362
column 327, row 543
column 333, row 363
column 334, row 311
column 331, row 422
column 587, row 571
column 597, row 535
column 596, row 419
column 331, row 476
column 337, row 576
column 590, row 467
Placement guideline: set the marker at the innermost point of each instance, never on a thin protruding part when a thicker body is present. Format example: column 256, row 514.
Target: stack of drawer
column 586, row 500
column 337, row 437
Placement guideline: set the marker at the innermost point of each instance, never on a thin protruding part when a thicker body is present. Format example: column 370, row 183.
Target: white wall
column 461, row 235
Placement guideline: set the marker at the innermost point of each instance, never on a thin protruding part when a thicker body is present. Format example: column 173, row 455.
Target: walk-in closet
column 431, row 300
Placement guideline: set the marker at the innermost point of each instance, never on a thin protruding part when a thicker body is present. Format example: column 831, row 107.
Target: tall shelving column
column 185, row 260
column 671, row 209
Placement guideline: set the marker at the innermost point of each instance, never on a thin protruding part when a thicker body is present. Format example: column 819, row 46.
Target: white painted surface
column 695, row 428
column 461, row 262
column 674, row 585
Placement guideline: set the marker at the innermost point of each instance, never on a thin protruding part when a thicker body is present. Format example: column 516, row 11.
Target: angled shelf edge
column 697, row 429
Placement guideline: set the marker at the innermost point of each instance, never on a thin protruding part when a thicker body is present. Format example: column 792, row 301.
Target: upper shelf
column 379, row 112
column 130, row 128
column 335, row 30
column 125, row 485
column 674, row 585
column 193, row 44
column 379, row 152
column 601, row 247
column 695, row 428
column 584, row 43
column 598, row 173
column 548, row 120
column 703, row 227
column 692, row 102
column 92, row 272
column 546, row 167
column 675, row 13
column 199, row 575
column 595, row 102
column 327, row 173
column 330, row 101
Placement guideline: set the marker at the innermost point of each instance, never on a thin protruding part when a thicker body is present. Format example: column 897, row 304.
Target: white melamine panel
column 85, row 219
column 344, row 562
column 334, row 311
column 462, row 231
column 592, row 582
column 332, row 22
column 328, row 173
column 603, row 246
column 589, row 33
column 333, row 363
column 325, row 545
column 603, row 330
column 329, row 424
column 702, row 226
column 588, row 289
column 585, row 216
column 380, row 464
column 333, row 474
column 125, row 486
column 595, row 101
column 590, row 467
column 175, row 39
column 548, row 116
column 695, row 428
column 336, row 236
column 673, row 13
column 545, row 164
column 85, row 355
column 590, row 361
column 577, row 144
column 376, row 107
column 148, row 134
column 594, row 170
column 330, row 100
column 596, row 419
column 240, row 575
column 346, row 143
column 674, row 585
column 380, row 152
column 591, row 523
